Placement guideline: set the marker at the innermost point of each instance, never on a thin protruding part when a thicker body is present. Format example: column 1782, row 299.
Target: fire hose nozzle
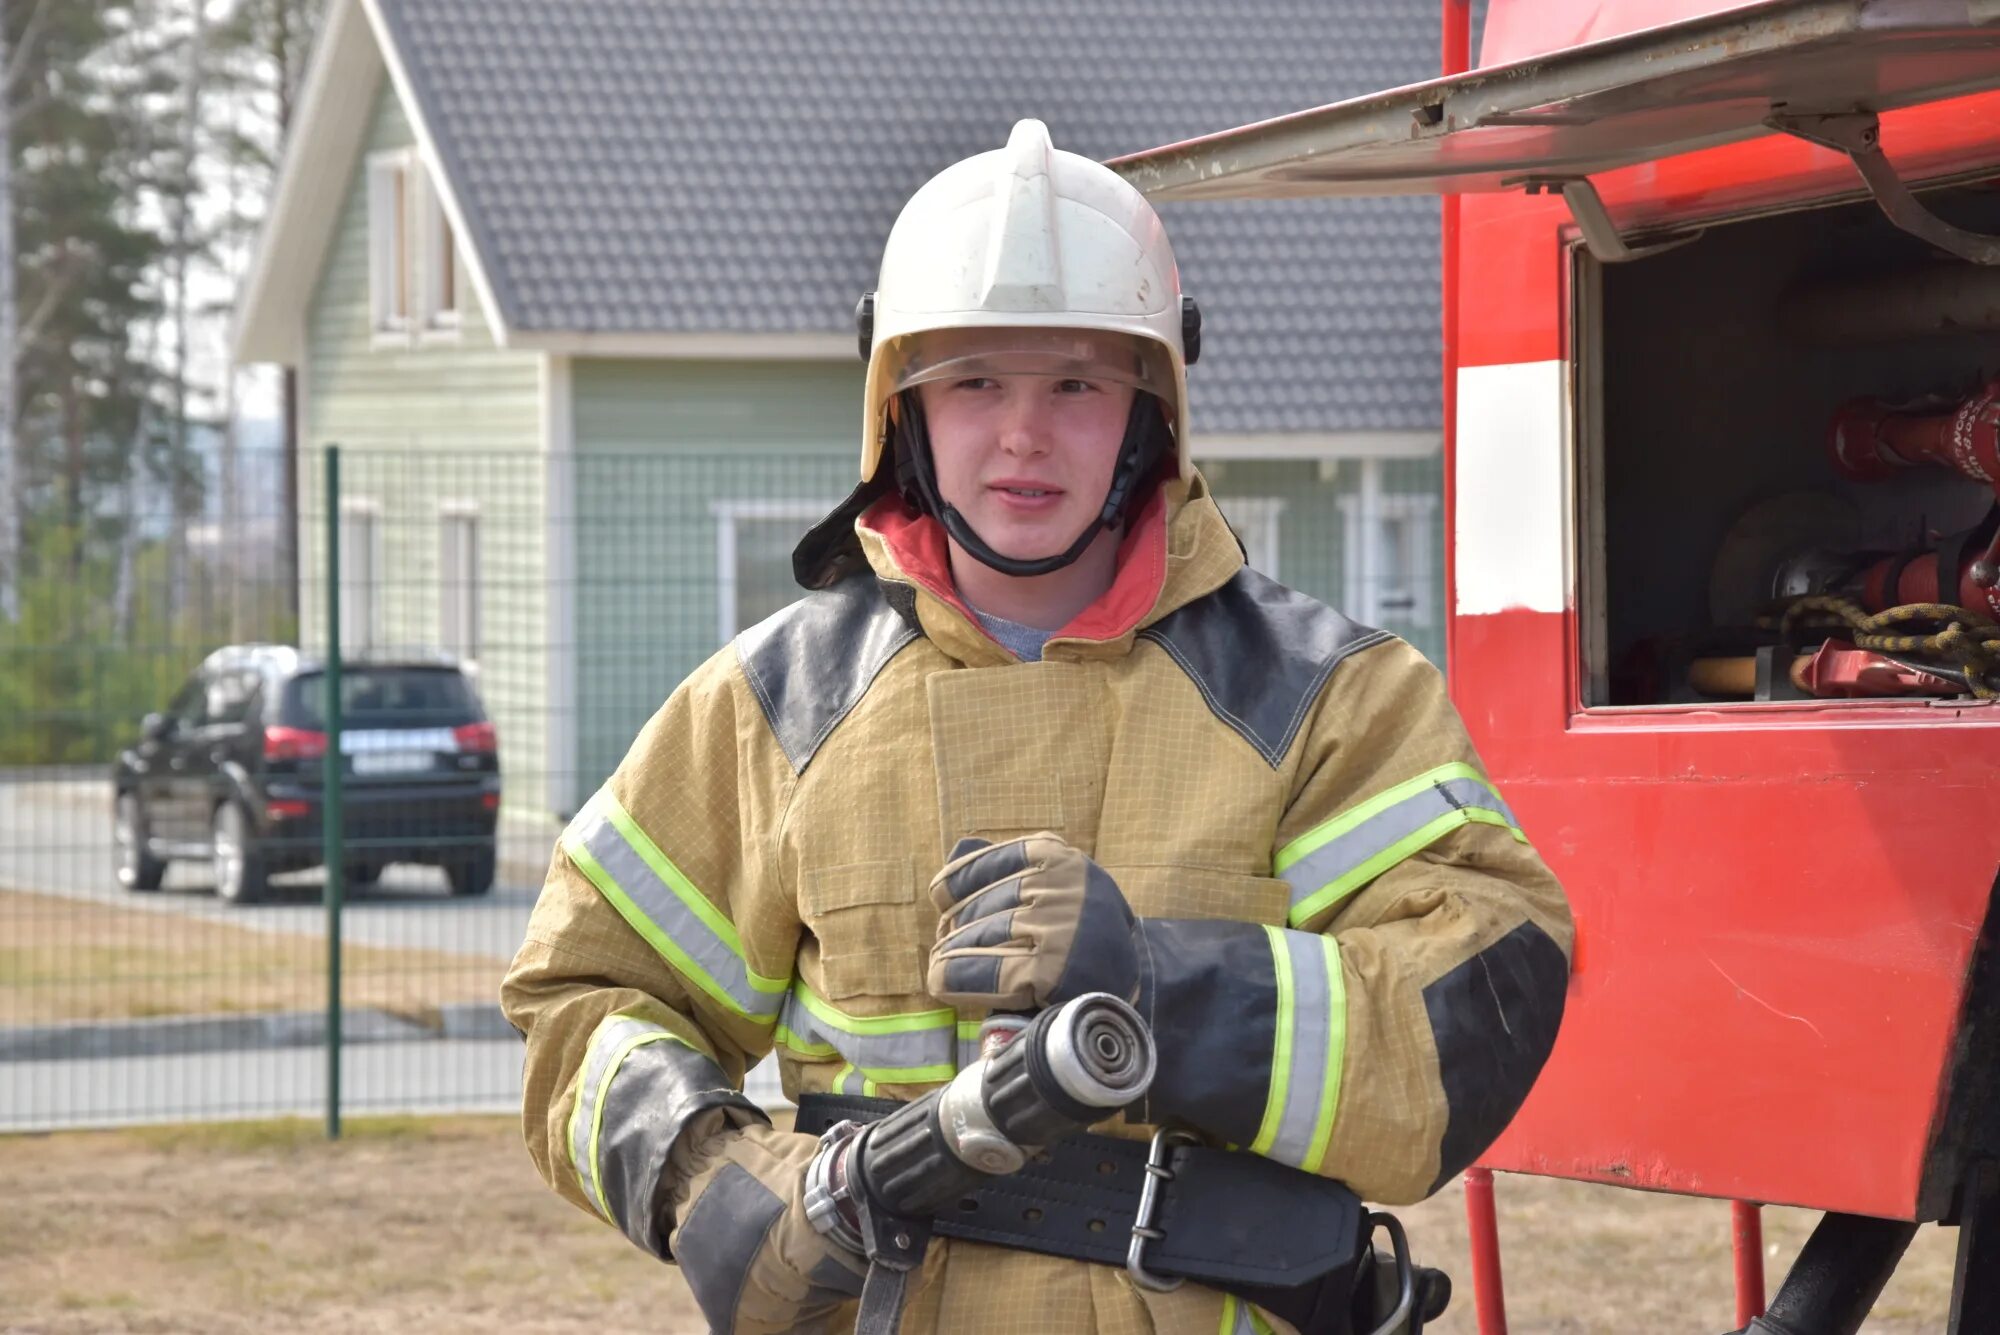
column 1071, row 1066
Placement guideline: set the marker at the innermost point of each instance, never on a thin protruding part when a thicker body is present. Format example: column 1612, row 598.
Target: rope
column 1954, row 635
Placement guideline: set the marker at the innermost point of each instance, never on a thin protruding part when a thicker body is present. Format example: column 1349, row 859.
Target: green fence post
column 331, row 819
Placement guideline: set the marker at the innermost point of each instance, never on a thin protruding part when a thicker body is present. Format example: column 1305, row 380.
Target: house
column 572, row 287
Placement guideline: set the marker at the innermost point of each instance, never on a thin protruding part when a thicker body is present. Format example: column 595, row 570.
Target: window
column 378, row 697
column 1391, row 554
column 190, row 704
column 229, row 696
column 360, row 563
column 412, row 255
column 458, row 580
column 1255, row 519
column 754, row 541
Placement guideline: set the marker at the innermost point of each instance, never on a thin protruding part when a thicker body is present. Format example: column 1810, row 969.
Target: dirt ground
column 442, row 1225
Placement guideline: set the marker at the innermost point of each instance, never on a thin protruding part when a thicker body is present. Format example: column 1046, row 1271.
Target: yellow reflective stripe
column 662, row 914
column 1240, row 1318
column 1311, row 1034
column 1327, row 831
column 843, row 1082
column 1338, row 857
column 629, row 1033
column 684, row 889
column 1281, row 1046
column 906, row 1022
column 1343, row 886
column 607, row 885
column 910, row 1048
column 597, row 1114
column 1336, row 1054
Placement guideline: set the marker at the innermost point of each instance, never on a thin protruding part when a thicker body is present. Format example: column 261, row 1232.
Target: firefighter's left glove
column 1027, row 924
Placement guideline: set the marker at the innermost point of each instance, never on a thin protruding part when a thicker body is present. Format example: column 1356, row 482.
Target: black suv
column 232, row 773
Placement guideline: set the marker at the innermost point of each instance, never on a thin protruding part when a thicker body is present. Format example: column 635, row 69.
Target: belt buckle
column 1145, row 1228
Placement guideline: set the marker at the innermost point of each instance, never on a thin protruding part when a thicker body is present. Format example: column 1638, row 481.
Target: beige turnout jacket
column 753, row 879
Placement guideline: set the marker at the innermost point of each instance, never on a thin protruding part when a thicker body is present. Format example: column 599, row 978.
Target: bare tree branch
column 30, row 329
column 24, row 45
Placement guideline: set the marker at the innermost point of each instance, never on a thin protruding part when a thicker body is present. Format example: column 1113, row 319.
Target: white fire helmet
column 1026, row 259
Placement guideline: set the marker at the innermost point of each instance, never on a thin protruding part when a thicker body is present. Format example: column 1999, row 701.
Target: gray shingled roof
column 734, row 165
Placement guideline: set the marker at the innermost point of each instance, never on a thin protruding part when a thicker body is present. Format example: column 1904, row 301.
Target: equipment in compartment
column 1804, row 403
column 1919, row 620
column 1870, row 440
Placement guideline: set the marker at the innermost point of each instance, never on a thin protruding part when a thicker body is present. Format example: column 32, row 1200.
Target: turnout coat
column 1361, row 972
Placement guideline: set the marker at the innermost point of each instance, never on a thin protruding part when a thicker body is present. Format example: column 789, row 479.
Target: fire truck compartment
column 1707, row 379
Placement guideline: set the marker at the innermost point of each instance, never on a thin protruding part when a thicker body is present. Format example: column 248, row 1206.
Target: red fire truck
column 1722, row 331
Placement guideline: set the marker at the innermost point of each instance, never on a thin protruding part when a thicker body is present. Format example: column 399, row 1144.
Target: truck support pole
column 1489, row 1298
column 1746, row 1237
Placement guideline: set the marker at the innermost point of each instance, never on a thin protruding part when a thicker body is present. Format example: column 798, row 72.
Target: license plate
column 391, row 762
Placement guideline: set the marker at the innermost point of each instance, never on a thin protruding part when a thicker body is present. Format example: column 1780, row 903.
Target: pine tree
column 84, row 159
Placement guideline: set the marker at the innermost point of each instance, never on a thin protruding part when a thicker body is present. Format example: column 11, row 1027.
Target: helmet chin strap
column 1147, row 441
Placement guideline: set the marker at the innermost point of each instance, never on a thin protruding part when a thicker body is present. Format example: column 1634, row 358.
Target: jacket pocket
column 873, row 941
column 998, row 807
column 1158, row 890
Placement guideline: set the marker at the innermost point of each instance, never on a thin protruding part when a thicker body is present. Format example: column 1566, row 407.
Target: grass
column 441, row 1224
column 72, row 959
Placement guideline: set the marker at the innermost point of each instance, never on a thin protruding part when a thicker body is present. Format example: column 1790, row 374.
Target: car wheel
column 472, row 873
column 239, row 863
column 138, row 869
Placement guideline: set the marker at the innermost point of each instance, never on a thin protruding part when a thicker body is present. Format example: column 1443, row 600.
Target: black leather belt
column 1283, row 1239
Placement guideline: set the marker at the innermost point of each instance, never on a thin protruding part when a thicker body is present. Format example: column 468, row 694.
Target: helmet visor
column 1097, row 355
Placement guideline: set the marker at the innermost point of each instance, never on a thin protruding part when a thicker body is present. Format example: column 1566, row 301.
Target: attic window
column 412, row 255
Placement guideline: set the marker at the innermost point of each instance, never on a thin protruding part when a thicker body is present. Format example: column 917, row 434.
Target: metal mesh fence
column 507, row 623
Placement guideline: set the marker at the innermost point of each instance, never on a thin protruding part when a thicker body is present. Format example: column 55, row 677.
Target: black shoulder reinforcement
column 811, row 663
column 1494, row 1019
column 1259, row 653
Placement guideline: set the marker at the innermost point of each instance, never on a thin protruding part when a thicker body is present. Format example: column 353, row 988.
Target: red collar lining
column 918, row 545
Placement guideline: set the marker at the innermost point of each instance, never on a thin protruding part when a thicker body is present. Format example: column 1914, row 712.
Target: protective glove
column 754, row 1259
column 1034, row 922
column 1027, row 924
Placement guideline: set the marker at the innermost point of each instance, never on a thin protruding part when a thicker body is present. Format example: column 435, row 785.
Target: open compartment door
column 1573, row 113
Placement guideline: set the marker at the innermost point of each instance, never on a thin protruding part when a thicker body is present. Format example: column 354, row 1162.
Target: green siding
column 1314, row 542
column 662, row 445
column 659, row 446
column 420, row 425
column 646, row 407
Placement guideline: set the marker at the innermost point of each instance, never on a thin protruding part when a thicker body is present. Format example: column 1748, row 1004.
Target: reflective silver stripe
column 1312, row 1019
column 1356, row 856
column 615, row 1037
column 896, row 1049
column 686, row 938
column 1240, row 1318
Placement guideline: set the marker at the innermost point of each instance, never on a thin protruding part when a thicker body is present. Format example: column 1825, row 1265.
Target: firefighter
column 1037, row 730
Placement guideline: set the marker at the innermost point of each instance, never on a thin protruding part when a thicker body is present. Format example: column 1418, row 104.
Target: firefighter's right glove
column 752, row 1255
column 1027, row 924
